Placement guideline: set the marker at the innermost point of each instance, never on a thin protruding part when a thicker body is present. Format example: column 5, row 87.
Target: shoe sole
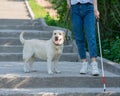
column 82, row 73
column 95, row 74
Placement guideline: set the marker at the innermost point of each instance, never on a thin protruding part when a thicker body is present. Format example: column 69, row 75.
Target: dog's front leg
column 56, row 66
column 49, row 63
column 26, row 67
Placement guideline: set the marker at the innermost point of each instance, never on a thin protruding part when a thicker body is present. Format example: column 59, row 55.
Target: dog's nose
column 56, row 38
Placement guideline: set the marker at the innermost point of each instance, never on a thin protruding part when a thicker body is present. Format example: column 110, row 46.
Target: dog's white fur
column 49, row 50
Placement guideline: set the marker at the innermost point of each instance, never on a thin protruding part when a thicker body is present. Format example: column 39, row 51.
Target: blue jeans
column 83, row 23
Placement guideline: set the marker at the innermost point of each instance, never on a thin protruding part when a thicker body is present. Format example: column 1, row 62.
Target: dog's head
column 58, row 37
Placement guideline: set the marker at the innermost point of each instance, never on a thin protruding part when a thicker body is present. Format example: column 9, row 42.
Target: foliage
column 111, row 50
column 60, row 6
column 110, row 14
column 115, row 49
column 51, row 21
column 110, row 28
column 39, row 11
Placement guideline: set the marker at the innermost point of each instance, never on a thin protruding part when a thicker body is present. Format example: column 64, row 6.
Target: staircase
column 14, row 82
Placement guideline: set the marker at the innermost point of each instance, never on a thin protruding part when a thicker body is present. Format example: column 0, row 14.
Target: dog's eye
column 59, row 33
column 54, row 33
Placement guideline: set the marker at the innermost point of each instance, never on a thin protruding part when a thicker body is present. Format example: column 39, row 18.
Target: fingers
column 97, row 14
column 68, row 6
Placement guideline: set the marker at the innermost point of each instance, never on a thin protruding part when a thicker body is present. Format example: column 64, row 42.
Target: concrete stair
column 40, row 78
column 15, row 18
column 60, row 92
column 14, row 82
column 25, row 24
column 19, row 24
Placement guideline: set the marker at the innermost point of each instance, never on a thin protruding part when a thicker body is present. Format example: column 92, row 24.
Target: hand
column 68, row 6
column 97, row 14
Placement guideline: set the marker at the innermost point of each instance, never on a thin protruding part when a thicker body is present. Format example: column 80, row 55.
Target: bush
column 39, row 11
column 115, row 49
column 111, row 50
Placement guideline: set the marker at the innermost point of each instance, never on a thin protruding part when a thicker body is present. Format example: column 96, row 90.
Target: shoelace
column 94, row 66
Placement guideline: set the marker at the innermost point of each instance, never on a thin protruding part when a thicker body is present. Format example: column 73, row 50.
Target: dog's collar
column 57, row 44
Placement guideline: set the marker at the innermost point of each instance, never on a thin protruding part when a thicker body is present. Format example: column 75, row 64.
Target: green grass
column 38, row 11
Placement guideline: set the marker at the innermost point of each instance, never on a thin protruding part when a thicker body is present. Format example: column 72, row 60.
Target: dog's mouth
column 57, row 40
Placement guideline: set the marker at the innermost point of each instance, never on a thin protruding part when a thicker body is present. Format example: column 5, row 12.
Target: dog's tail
column 22, row 40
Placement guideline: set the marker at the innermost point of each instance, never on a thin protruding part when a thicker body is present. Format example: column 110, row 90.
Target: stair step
column 20, row 24
column 7, row 22
column 16, row 41
column 12, row 76
column 19, row 48
column 25, row 24
column 28, row 33
column 13, row 81
column 60, row 92
column 11, row 37
column 73, row 57
column 24, row 27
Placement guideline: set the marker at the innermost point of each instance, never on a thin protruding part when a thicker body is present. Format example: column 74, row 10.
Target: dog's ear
column 54, row 31
column 64, row 34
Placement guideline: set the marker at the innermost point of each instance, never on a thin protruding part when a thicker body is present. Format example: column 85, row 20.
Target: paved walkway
column 13, row 9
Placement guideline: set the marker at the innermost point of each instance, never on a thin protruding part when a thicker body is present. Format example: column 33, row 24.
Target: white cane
column 103, row 76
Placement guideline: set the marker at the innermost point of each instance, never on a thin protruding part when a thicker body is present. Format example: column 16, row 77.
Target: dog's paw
column 33, row 70
column 26, row 70
column 57, row 72
column 50, row 73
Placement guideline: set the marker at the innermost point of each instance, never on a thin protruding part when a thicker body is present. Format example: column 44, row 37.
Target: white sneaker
column 84, row 68
column 95, row 70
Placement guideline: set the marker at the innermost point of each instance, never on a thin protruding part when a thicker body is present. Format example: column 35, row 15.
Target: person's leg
column 78, row 33
column 89, row 24
column 77, row 24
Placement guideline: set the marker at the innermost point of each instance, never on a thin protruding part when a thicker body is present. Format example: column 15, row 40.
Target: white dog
column 49, row 50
